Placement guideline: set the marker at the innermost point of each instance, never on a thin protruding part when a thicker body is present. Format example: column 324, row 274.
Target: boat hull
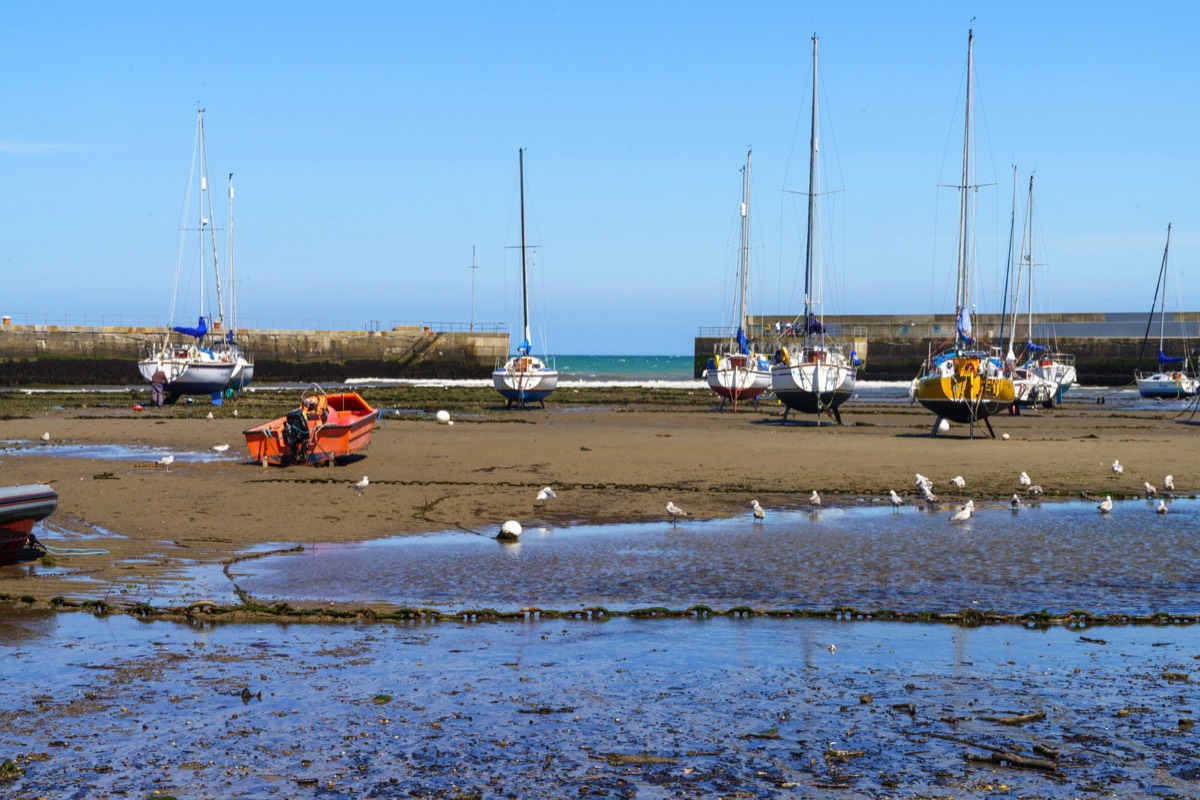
column 333, row 427
column 524, row 379
column 816, row 380
column 739, row 377
column 189, row 370
column 1166, row 386
column 20, row 508
column 965, row 398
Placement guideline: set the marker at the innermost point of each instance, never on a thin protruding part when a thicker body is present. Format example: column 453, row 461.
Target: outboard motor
column 295, row 433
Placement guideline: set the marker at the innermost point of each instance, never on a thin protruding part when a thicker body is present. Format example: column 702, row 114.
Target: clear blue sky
column 375, row 143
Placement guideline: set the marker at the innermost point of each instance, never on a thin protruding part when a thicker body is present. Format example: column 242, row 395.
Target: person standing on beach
column 157, row 380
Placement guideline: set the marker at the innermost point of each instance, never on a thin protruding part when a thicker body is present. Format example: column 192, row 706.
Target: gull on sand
column 1169, row 483
column 958, row 481
column 1024, row 479
column 1117, row 469
column 675, row 512
column 358, row 486
column 546, row 493
column 895, row 499
column 1035, row 490
column 1150, row 491
column 1105, row 505
column 46, row 436
column 167, row 461
column 220, row 448
column 814, row 499
column 757, row 510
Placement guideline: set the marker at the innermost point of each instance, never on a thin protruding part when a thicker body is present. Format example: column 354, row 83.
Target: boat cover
column 1165, row 359
column 200, row 331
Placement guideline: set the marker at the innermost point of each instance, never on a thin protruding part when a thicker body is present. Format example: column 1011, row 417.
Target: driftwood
column 1014, row 760
column 1019, row 719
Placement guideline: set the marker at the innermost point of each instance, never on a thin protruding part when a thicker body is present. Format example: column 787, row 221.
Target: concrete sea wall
column 64, row 355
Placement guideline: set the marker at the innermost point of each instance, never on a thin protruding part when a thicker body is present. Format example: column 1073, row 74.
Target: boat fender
column 785, row 356
column 717, row 361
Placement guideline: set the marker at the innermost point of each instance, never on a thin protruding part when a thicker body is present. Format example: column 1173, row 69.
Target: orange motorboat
column 324, row 428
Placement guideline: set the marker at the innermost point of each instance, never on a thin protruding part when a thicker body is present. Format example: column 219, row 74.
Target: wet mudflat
column 752, row 708
column 1059, row 557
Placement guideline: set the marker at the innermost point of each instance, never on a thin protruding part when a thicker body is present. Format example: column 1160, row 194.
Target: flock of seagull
column 962, row 513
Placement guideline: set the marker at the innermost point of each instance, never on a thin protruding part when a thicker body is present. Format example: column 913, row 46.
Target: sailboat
column 229, row 347
column 740, row 373
column 191, row 367
column 1041, row 376
column 963, row 382
column 1174, row 378
column 816, row 377
column 524, row 378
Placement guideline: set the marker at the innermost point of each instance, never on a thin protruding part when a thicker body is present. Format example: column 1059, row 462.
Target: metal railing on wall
column 246, row 323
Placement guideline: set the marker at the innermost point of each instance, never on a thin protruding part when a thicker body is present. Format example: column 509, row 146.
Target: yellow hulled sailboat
column 964, row 381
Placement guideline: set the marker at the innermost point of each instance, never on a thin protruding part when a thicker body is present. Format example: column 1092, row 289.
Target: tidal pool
column 1058, row 557
column 666, row 708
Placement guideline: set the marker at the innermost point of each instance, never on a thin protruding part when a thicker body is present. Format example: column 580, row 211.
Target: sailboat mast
column 232, row 273
column 1029, row 258
column 745, row 254
column 964, row 246
column 207, row 221
column 1162, row 313
column 812, row 198
column 524, row 269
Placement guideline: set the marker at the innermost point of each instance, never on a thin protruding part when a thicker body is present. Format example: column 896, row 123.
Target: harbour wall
column 53, row 355
column 1108, row 347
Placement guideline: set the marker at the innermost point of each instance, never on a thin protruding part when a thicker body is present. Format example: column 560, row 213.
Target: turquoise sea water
column 625, row 368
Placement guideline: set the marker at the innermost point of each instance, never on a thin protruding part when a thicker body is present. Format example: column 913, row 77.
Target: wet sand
column 615, row 463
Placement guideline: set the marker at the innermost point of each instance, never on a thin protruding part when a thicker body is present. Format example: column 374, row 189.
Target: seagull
column 675, row 512
column 166, row 461
column 814, row 499
column 1024, row 479
column 964, row 513
column 1169, row 483
column 1105, row 505
column 1162, row 507
column 1015, row 502
column 220, row 448
column 757, row 510
column 958, row 481
column 210, row 416
column 1035, row 490
column 546, row 494
column 46, row 436
column 930, row 497
column 832, row 648
column 235, row 412
column 358, row 486
column 923, row 482
column 895, row 499
column 1150, row 492
column 1117, row 469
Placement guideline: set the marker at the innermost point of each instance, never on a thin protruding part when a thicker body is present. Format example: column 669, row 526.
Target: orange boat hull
column 333, row 427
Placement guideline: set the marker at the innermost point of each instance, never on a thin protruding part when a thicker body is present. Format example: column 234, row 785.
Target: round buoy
column 944, row 426
column 510, row 530
column 451, row 422
column 443, row 417
column 1004, row 436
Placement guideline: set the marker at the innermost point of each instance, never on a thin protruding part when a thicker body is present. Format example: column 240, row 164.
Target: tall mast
column 964, row 246
column 232, row 274
column 745, row 270
column 1162, row 313
column 812, row 197
column 207, row 221
column 524, row 269
column 1029, row 258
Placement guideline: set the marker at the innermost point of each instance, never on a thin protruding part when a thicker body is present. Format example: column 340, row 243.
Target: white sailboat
column 814, row 376
column 524, row 377
column 1174, row 378
column 963, row 381
column 1041, row 375
column 229, row 347
column 190, row 366
column 736, row 372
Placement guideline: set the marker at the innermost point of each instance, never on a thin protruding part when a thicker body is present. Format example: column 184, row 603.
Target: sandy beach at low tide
column 607, row 463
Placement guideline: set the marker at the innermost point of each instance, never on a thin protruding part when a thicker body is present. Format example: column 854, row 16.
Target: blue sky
column 374, row 144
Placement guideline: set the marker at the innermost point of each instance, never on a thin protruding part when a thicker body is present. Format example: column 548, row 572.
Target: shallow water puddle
column 121, row 452
column 1053, row 556
column 756, row 708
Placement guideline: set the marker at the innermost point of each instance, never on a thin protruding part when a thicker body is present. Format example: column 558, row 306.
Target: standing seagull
column 1024, row 479
column 1035, row 490
column 895, row 499
column 546, row 494
column 814, row 500
column 1169, row 483
column 958, row 481
column 46, row 436
column 757, row 510
column 1117, row 469
column 1162, row 507
column 1105, row 505
column 675, row 512
column 358, row 486
column 1015, row 502
column 1150, row 492
column 166, row 461
column 220, row 448
column 964, row 513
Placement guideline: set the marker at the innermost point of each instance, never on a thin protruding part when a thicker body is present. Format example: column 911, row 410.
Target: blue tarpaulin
column 525, row 348
column 964, row 325
column 199, row 331
column 1165, row 359
column 812, row 325
column 743, row 345
column 1035, row 348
